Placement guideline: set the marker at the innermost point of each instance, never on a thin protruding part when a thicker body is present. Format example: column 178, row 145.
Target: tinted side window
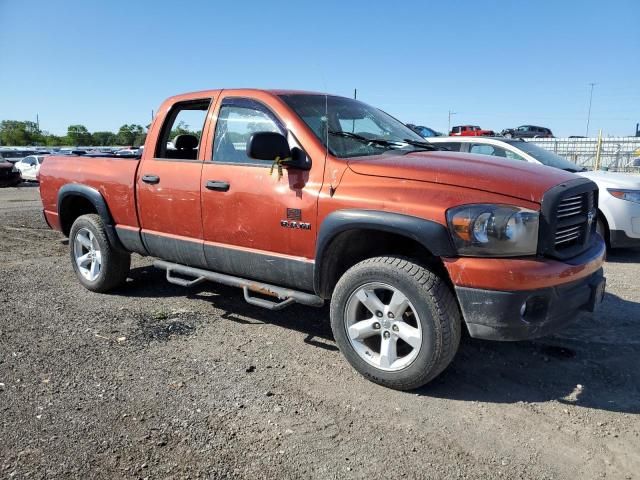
column 513, row 156
column 237, row 121
column 494, row 151
column 482, row 149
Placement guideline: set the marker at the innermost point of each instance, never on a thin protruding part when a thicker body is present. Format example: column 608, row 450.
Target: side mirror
column 268, row 146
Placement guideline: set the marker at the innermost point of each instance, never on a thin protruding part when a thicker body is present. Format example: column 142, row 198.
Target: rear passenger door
column 168, row 186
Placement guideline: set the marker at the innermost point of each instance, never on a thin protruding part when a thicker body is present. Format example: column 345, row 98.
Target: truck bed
column 114, row 177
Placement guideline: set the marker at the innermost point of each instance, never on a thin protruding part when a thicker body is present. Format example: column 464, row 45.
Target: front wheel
column 396, row 322
column 98, row 265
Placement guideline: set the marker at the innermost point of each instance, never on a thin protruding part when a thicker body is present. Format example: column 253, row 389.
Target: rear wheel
column 97, row 264
column 395, row 321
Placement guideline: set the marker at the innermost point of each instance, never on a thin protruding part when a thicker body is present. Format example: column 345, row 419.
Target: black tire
column 115, row 264
column 434, row 303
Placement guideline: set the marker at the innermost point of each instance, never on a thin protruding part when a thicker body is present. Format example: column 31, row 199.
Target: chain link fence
column 616, row 154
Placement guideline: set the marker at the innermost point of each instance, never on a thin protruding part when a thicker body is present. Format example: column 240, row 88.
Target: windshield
column 547, row 157
column 352, row 128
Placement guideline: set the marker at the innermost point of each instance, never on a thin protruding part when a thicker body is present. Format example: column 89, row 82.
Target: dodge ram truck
column 299, row 197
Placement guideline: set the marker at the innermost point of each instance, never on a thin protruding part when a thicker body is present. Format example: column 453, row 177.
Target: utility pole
column 37, row 122
column 450, row 115
column 589, row 114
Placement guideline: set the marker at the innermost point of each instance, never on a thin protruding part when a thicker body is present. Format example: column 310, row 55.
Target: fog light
column 534, row 309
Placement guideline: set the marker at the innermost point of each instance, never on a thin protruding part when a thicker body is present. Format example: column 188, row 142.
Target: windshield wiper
column 421, row 144
column 355, row 136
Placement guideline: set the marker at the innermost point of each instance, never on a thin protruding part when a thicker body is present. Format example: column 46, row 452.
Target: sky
column 495, row 64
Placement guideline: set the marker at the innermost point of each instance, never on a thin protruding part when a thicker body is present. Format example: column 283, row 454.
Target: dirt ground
column 158, row 381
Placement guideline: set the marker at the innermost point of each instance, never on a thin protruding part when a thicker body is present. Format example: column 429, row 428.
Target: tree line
column 22, row 134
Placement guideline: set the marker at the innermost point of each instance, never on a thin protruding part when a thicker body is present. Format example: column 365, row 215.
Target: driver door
column 248, row 207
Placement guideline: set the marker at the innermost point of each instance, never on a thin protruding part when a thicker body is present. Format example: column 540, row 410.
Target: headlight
column 493, row 230
column 630, row 195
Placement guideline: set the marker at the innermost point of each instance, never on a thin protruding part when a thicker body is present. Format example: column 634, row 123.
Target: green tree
column 129, row 134
column 16, row 133
column 51, row 140
column 104, row 138
column 79, row 135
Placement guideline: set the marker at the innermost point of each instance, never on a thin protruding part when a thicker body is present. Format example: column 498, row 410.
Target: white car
column 30, row 166
column 619, row 197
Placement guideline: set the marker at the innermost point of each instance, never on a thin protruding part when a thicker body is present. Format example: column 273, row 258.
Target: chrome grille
column 569, row 234
column 571, row 206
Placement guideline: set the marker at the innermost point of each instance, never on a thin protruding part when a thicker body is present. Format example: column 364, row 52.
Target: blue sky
column 497, row 64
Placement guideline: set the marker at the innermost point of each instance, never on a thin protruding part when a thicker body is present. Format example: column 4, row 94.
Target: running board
column 285, row 296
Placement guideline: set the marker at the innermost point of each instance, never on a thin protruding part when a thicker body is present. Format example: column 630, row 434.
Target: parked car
column 303, row 197
column 527, row 131
column 619, row 193
column 127, row 152
column 9, row 174
column 72, row 151
column 470, row 131
column 424, row 132
column 30, row 166
column 15, row 155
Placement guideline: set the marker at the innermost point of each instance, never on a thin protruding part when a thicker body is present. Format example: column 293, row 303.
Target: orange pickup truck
column 304, row 197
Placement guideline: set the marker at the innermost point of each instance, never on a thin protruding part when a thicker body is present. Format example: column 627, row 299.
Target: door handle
column 152, row 179
column 217, row 185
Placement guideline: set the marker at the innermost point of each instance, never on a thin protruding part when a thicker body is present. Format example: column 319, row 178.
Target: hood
column 523, row 180
column 613, row 180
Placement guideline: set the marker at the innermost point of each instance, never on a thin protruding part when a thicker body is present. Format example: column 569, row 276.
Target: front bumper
column 620, row 239
column 499, row 315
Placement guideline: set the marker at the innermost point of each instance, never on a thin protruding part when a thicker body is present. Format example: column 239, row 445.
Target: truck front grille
column 573, row 221
column 569, row 216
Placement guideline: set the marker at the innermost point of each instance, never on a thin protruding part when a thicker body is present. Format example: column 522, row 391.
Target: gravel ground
column 159, row 381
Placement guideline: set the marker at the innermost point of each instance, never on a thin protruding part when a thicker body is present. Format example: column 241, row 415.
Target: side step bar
column 286, row 296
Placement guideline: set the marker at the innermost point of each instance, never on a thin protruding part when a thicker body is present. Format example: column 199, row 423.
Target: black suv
column 527, row 131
